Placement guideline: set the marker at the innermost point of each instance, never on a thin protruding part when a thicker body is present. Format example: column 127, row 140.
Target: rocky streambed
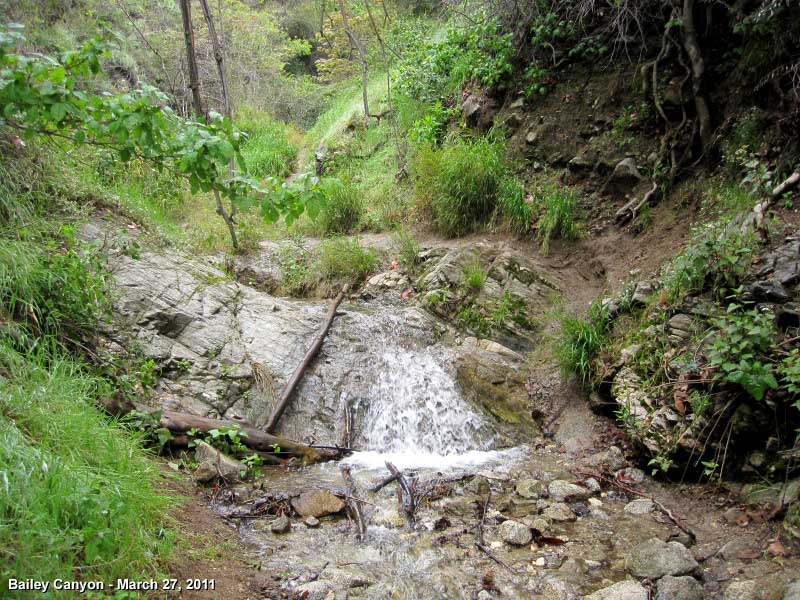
column 500, row 509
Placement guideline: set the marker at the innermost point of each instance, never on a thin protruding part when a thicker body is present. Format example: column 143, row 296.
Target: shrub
column 344, row 261
column 464, row 183
column 717, row 256
column 737, row 351
column 296, row 276
column 342, row 207
column 556, row 206
column 581, row 340
column 51, row 286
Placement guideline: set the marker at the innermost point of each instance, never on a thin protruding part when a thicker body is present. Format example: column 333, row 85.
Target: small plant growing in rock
column 227, row 439
column 474, row 278
column 407, row 248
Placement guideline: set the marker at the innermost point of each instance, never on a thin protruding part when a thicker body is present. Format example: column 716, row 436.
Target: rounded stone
column 515, row 533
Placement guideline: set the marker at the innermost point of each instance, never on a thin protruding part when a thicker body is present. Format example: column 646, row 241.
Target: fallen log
column 286, row 395
column 254, row 438
column 787, row 184
column 408, row 498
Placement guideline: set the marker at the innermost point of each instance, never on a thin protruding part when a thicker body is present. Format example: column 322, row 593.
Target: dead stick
column 353, row 503
column 378, row 487
column 409, row 501
column 286, row 395
column 479, row 543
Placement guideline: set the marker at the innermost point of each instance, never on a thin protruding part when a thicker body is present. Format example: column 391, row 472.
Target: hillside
column 371, row 299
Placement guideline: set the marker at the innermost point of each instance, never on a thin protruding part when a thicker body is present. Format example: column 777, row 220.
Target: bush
column 342, row 207
column 717, row 256
column 581, row 340
column 344, row 261
column 556, row 206
column 296, row 276
column 474, row 277
column 464, row 183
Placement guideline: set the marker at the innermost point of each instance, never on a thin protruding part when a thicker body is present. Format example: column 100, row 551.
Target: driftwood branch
column 408, row 497
column 286, row 395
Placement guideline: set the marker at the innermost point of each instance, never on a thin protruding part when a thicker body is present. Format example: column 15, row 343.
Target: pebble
column 560, row 512
column 311, row 522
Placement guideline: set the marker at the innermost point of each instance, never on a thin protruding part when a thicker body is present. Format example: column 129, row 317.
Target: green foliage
column 464, row 183
column 78, row 493
column 473, row 317
column 717, row 257
column 789, row 373
column 581, row 340
column 431, row 126
column 344, row 261
column 480, row 53
column 50, row 285
column 43, row 96
column 474, row 278
column 737, row 351
column 556, row 206
column 342, row 207
column 296, row 274
column 227, row 439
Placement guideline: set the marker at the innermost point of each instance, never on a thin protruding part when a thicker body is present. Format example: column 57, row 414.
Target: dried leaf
column 776, row 548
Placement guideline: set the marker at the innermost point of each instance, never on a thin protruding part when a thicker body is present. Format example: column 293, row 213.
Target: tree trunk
column 286, row 395
column 362, row 56
column 191, row 56
column 698, row 71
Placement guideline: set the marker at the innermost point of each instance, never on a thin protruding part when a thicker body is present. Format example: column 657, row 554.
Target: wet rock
column 624, row 590
column 311, row 522
column 280, row 525
column 654, row 558
column 593, row 485
column 626, row 171
column 627, row 391
column 783, row 263
column 315, row 590
column 598, row 514
column 561, row 491
column 390, row 518
column 640, row 506
column 478, row 485
column 214, row 464
column 742, row 590
column 678, row 588
column 515, row 533
column 531, row 488
column 317, row 503
column 560, row 513
column 613, row 458
column 556, row 589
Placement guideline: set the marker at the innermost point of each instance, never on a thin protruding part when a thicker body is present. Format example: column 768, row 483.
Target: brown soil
column 210, row 548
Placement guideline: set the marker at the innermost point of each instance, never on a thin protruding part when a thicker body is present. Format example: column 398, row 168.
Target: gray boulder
column 280, row 525
column 624, row 590
column 531, row 488
column 678, row 588
column 640, row 506
column 654, row 559
column 626, row 171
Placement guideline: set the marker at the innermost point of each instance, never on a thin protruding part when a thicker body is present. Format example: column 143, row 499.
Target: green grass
column 342, row 209
column 557, row 207
column 345, row 261
column 268, row 150
column 474, row 277
column 580, row 341
column 464, row 183
column 78, row 492
column 407, row 249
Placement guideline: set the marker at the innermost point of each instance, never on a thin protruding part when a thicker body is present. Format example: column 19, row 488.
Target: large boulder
column 678, row 588
column 563, row 491
column 515, row 533
column 654, row 559
column 317, row 503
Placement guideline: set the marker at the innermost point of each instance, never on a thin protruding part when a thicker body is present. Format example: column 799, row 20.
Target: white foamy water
column 417, row 417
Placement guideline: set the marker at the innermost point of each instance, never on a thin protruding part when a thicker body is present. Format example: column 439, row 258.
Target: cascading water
column 416, row 416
